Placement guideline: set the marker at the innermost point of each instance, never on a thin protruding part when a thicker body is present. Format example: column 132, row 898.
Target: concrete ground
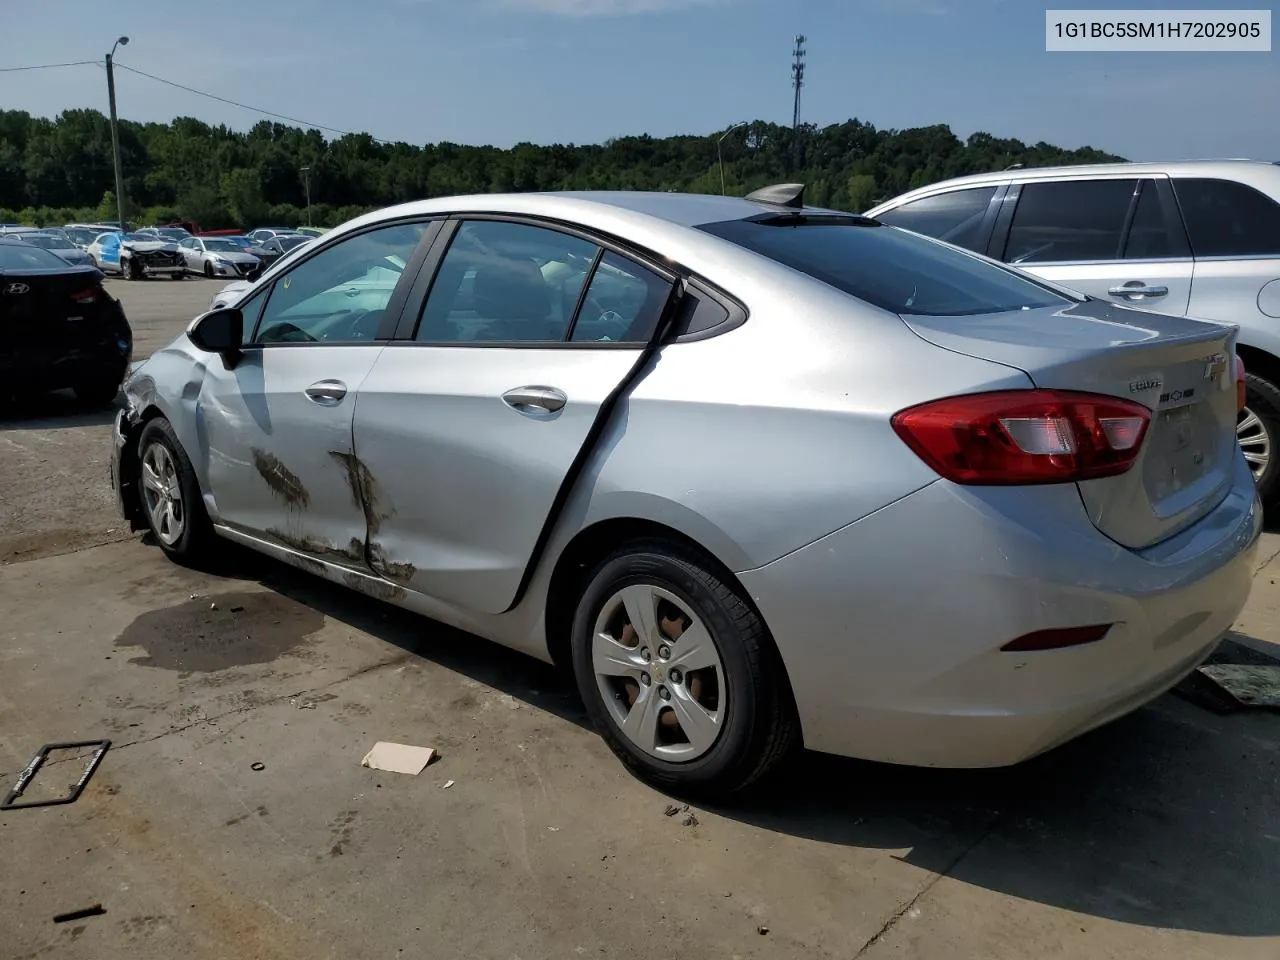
column 1158, row 836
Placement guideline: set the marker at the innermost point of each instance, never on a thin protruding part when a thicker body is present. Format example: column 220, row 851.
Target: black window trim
column 670, row 271
column 399, row 296
column 1172, row 218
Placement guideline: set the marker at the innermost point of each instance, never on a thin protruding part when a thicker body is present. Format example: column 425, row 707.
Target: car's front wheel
column 1258, row 432
column 171, row 497
column 679, row 673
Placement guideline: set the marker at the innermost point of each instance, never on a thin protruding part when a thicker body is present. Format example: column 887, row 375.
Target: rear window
column 15, row 256
column 893, row 269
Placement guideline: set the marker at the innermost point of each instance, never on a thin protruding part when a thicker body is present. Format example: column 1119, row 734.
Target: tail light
column 87, row 295
column 1240, row 384
column 1025, row 436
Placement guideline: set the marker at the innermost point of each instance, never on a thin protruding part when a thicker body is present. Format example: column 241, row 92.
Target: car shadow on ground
column 54, row 411
column 1168, row 818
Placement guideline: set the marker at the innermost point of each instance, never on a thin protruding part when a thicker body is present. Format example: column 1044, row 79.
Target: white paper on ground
column 398, row 758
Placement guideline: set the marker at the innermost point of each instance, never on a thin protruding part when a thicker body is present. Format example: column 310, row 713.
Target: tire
column 208, row 270
column 747, row 693
column 194, row 543
column 98, row 393
column 133, row 270
column 180, row 275
column 1260, row 438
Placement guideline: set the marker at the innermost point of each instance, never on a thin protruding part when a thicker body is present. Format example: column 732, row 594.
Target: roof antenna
column 790, row 195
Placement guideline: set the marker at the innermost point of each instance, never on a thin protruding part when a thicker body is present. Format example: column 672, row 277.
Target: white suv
column 1199, row 238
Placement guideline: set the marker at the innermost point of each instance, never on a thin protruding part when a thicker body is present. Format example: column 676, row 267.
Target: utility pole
column 115, row 131
column 306, row 182
column 797, row 83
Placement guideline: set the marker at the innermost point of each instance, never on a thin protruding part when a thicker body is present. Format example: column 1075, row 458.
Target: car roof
column 1253, row 172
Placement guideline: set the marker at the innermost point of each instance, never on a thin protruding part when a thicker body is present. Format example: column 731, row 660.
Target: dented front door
column 280, row 460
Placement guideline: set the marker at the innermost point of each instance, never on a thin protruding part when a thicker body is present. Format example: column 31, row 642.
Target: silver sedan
column 218, row 257
column 757, row 474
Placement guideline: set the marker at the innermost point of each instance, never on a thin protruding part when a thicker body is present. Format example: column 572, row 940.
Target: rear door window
column 1228, row 219
column 1069, row 221
column 956, row 217
column 893, row 269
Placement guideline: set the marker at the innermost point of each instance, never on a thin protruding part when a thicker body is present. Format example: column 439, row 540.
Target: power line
column 51, row 66
column 242, row 106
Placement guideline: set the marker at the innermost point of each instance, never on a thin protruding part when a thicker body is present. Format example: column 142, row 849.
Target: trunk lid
column 1182, row 369
column 51, row 308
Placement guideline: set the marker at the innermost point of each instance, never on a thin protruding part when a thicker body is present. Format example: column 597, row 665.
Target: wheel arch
column 1260, row 362
column 131, row 465
column 591, row 545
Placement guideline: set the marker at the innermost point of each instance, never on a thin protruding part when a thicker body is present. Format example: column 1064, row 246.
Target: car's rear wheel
column 208, row 270
column 1258, row 432
column 170, row 493
column 679, row 673
column 97, row 393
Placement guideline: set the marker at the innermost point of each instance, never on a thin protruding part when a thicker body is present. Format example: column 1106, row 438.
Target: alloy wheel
column 1255, row 441
column 162, row 494
column 659, row 673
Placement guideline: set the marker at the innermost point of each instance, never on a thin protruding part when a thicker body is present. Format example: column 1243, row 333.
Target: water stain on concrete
column 219, row 632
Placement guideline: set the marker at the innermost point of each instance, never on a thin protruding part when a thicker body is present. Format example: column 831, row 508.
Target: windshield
column 18, row 256
column 893, row 269
column 172, row 234
column 288, row 243
column 137, row 238
column 80, row 234
column 222, row 246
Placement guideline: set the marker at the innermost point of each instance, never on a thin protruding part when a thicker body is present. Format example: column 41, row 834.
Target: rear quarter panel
column 766, row 438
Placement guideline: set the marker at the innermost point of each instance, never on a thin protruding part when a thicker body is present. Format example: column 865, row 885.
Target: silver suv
column 1199, row 238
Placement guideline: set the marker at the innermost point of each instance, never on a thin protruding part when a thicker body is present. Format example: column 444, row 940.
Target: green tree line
column 60, row 170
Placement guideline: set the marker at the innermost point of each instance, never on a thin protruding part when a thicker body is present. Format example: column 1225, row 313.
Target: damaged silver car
column 757, row 474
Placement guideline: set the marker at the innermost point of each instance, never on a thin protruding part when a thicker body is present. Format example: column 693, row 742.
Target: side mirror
column 219, row 331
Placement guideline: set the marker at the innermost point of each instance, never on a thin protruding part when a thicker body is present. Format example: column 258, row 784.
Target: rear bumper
column 891, row 628
column 32, row 370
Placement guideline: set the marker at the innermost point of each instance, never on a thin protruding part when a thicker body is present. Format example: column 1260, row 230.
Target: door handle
column 326, row 392
column 545, row 398
column 1136, row 288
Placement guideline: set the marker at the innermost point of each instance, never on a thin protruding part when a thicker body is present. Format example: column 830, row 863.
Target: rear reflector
column 1025, row 436
column 1240, row 384
column 1057, row 639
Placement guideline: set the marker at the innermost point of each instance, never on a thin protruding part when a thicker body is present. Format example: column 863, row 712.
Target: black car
column 269, row 251
column 59, row 327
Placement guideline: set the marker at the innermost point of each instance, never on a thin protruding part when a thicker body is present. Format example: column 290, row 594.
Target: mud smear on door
column 284, row 483
column 219, row 632
column 367, row 495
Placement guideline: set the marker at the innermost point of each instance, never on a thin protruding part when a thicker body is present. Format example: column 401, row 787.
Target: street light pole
column 115, row 131
column 720, row 154
column 306, row 182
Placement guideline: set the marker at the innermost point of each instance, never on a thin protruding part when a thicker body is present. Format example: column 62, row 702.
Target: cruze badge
column 1143, row 384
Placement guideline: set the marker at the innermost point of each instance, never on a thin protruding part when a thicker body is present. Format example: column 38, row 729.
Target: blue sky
column 505, row 71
